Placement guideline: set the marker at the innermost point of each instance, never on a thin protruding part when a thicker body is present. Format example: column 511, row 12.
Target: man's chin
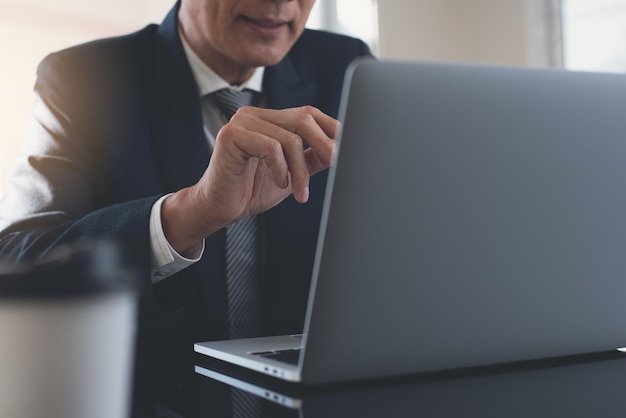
column 266, row 57
column 265, row 61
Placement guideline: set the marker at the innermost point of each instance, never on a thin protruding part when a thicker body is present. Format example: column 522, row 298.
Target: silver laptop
column 474, row 215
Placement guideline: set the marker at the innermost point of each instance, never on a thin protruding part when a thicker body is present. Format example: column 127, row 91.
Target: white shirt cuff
column 165, row 260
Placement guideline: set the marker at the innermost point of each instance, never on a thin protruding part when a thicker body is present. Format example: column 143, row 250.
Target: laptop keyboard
column 290, row 356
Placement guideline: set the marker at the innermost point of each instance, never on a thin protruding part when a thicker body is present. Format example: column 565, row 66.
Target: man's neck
column 209, row 80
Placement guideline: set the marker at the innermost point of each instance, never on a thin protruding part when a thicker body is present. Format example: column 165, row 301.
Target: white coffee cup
column 66, row 336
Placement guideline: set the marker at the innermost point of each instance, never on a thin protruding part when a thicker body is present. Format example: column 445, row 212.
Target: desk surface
column 584, row 386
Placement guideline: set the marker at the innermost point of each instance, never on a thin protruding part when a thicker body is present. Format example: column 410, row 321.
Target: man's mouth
column 265, row 23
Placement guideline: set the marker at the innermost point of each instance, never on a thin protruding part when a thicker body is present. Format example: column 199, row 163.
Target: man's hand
column 258, row 160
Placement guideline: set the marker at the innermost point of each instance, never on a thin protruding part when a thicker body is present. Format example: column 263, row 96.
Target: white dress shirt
column 165, row 260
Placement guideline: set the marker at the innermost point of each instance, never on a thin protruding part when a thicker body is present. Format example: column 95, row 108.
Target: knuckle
column 274, row 148
column 245, row 110
column 229, row 133
column 295, row 140
column 308, row 109
column 302, row 114
column 239, row 115
column 227, row 130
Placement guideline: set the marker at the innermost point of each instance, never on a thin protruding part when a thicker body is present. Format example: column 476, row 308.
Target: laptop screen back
column 476, row 215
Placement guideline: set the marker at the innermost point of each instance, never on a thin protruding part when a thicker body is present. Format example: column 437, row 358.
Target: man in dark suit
column 123, row 130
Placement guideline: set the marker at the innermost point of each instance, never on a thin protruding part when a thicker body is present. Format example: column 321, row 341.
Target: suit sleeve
column 59, row 191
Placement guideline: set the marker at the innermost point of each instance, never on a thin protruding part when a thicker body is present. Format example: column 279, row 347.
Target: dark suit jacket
column 120, row 125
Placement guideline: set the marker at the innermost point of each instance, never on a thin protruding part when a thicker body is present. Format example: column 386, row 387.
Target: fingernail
column 305, row 194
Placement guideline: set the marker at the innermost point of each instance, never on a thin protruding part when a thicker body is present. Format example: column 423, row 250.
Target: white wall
column 508, row 32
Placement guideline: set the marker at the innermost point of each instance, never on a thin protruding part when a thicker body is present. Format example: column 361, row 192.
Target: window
column 358, row 18
column 594, row 35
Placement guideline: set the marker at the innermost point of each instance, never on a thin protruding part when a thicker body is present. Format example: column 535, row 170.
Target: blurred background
column 587, row 35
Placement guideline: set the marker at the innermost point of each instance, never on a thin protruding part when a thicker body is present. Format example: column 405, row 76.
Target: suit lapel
column 286, row 88
column 177, row 127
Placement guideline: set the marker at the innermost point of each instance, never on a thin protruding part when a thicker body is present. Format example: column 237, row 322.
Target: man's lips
column 266, row 23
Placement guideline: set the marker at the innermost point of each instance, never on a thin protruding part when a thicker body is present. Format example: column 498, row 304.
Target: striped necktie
column 229, row 100
column 242, row 249
column 242, row 270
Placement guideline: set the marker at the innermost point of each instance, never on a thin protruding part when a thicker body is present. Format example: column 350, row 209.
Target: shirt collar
column 208, row 81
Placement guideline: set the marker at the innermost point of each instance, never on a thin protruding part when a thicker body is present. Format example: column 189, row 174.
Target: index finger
column 292, row 118
column 317, row 129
